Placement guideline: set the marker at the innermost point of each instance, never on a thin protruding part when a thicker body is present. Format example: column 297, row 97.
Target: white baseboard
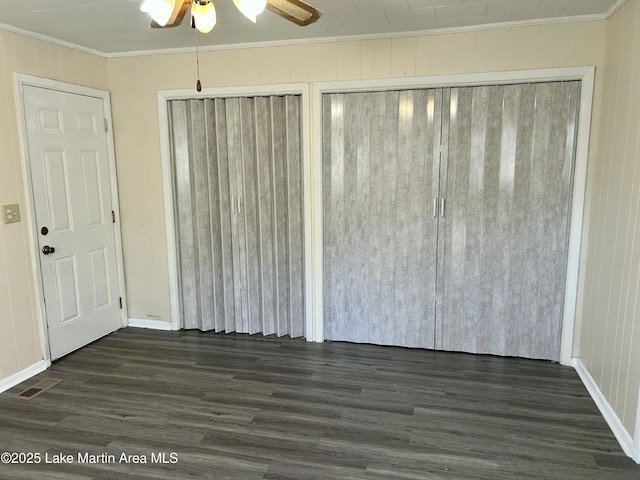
column 151, row 324
column 23, row 375
column 614, row 422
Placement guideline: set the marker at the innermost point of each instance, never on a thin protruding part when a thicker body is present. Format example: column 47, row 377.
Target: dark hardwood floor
column 240, row 407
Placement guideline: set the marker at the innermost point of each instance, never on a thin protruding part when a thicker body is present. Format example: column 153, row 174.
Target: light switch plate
column 11, row 213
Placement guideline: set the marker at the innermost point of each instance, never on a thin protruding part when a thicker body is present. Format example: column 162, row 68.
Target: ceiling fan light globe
column 160, row 10
column 204, row 15
column 251, row 8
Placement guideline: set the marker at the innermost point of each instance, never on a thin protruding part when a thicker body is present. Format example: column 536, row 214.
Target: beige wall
column 20, row 341
column 134, row 82
column 610, row 336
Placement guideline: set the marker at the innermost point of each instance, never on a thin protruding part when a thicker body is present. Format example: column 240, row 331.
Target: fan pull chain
column 198, row 84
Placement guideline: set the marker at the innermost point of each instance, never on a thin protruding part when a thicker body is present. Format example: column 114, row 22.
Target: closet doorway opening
column 464, row 197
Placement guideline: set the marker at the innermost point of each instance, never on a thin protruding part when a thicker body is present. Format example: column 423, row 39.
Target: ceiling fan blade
column 179, row 11
column 295, row 11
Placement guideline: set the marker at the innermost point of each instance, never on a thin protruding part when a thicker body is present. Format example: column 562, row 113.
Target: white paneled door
column 67, row 148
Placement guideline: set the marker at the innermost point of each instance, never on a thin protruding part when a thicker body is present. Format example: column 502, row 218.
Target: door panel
column 66, row 277
column 72, row 198
column 85, row 123
column 57, row 190
column 381, row 157
column 93, row 194
column 509, row 172
column 98, row 266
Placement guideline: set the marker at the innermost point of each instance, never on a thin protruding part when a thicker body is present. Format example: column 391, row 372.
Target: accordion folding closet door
column 446, row 216
column 237, row 174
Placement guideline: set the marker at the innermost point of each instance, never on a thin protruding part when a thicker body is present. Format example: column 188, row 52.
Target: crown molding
column 615, row 8
column 304, row 41
column 56, row 41
column 348, row 38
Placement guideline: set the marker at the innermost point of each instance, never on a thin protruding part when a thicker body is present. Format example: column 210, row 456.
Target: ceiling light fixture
column 250, row 8
column 204, row 15
column 170, row 13
column 160, row 10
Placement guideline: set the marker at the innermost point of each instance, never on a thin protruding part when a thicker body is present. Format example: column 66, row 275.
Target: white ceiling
column 118, row 26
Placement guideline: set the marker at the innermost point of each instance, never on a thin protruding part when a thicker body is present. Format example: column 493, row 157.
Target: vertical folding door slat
column 182, row 191
column 295, row 209
column 385, row 163
column 380, row 234
column 415, row 265
column 235, row 152
column 220, row 197
column 351, row 210
column 201, row 217
column 440, row 175
column 363, row 269
column 280, row 187
column 518, row 289
column 250, row 217
column 264, row 140
column 183, row 116
column 504, row 288
column 332, row 153
column 339, row 320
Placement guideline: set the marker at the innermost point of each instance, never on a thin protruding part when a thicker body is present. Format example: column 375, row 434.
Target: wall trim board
column 355, row 38
column 614, row 422
column 150, row 324
column 614, row 8
column 302, row 41
column 585, row 74
column 55, row 41
column 23, row 375
column 164, row 96
column 22, row 80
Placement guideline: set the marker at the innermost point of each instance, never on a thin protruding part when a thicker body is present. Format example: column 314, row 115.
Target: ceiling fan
column 170, row 13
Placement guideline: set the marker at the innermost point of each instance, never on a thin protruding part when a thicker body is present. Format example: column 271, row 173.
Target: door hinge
column 120, row 303
column 113, row 216
column 106, row 125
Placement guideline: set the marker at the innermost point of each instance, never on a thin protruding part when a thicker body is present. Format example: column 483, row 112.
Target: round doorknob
column 47, row 249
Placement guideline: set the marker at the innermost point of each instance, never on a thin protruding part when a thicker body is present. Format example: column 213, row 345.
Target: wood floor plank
column 242, row 407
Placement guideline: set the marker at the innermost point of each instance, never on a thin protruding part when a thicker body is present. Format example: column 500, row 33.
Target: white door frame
column 164, row 96
column 23, row 80
column 585, row 74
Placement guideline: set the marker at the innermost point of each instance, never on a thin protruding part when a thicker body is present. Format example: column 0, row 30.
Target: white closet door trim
column 164, row 96
column 585, row 74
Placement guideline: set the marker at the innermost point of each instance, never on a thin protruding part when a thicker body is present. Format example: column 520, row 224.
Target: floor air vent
column 38, row 388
